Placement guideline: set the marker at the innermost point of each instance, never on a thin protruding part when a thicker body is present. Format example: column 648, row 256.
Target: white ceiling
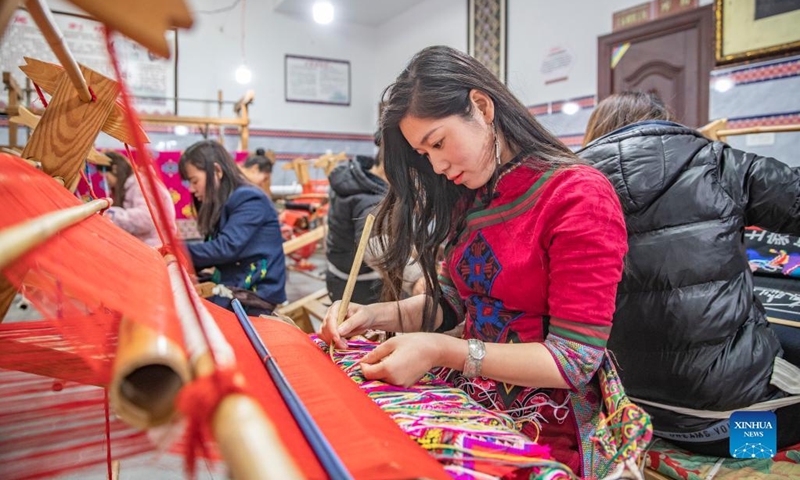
column 370, row 13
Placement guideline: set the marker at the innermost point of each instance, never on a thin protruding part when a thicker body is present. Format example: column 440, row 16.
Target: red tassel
column 198, row 401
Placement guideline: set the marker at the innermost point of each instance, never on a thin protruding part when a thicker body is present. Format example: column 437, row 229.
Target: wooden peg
column 68, row 129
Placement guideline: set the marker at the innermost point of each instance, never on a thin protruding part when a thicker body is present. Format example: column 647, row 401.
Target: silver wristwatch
column 474, row 361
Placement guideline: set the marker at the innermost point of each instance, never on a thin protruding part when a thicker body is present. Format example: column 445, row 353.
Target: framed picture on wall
column 317, row 80
column 153, row 81
column 753, row 29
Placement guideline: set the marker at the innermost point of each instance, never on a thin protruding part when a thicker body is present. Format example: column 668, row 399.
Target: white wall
column 432, row 22
column 536, row 26
column 210, row 53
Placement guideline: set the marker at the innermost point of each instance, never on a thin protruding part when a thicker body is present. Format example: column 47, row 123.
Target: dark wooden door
column 672, row 57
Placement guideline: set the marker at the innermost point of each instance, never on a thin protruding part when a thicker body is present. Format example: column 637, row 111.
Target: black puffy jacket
column 355, row 192
column 688, row 330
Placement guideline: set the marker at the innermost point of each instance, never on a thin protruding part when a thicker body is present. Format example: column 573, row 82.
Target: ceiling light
column 181, row 130
column 570, row 108
column 323, row 12
column 723, row 84
column 243, row 74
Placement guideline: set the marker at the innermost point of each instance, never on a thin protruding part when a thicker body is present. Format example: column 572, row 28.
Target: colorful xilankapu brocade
column 469, row 440
column 539, row 261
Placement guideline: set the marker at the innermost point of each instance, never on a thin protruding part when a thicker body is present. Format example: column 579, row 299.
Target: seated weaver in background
column 240, row 225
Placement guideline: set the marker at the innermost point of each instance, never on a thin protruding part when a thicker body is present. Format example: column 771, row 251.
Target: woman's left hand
column 402, row 360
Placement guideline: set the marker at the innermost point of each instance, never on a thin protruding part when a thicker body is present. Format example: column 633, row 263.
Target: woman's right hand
column 359, row 319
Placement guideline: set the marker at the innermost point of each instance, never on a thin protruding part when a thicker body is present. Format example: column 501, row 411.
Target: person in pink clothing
column 130, row 211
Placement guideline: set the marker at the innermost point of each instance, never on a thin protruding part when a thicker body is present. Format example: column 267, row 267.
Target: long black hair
column 121, row 168
column 204, row 155
column 421, row 207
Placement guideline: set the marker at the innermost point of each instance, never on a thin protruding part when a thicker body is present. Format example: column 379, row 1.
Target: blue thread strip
column 331, row 463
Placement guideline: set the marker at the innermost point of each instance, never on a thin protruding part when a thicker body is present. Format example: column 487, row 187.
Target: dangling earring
column 496, row 145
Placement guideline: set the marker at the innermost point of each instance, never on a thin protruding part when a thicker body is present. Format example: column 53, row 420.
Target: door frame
column 702, row 18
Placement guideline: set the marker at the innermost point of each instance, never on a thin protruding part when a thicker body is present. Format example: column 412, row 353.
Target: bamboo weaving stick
column 148, row 372
column 44, row 20
column 351, row 279
column 17, row 240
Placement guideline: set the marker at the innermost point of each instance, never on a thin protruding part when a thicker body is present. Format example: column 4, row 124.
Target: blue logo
column 753, row 435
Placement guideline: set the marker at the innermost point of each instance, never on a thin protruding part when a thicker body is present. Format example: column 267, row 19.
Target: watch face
column 475, row 350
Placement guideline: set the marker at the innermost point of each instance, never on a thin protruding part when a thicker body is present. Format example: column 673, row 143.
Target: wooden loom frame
column 718, row 129
column 243, row 431
column 241, row 121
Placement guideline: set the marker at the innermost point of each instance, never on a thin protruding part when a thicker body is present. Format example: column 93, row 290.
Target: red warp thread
column 148, row 173
column 166, row 247
column 88, row 182
column 41, row 95
column 198, row 401
column 108, row 433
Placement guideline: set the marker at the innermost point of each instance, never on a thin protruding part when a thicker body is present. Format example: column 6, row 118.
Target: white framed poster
column 151, row 80
column 317, row 80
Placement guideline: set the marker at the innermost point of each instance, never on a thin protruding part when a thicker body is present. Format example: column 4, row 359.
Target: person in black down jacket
column 689, row 334
column 356, row 188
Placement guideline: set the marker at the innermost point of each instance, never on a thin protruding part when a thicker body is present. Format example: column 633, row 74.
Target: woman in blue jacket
column 241, row 230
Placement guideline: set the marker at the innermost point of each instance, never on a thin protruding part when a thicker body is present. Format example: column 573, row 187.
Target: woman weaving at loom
column 130, row 211
column 240, row 224
column 534, row 251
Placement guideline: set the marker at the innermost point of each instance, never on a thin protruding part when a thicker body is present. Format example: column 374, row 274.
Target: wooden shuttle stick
column 351, row 279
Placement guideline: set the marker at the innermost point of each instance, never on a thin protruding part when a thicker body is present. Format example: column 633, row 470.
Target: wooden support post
column 220, row 128
column 303, row 309
column 14, row 97
column 7, row 293
column 242, row 109
column 245, row 137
